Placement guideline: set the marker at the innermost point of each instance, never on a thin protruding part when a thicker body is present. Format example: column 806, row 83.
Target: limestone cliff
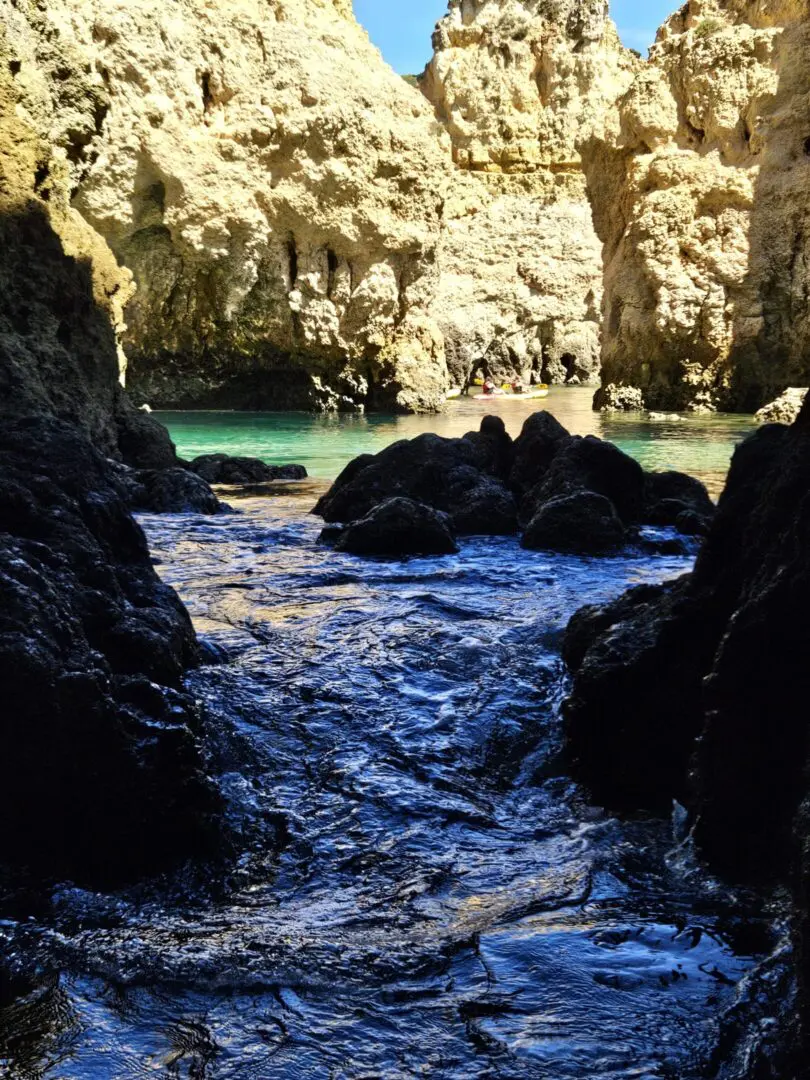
column 518, row 85
column 274, row 188
column 703, row 206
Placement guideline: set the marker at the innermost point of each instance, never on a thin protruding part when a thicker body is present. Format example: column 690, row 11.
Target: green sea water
column 700, row 445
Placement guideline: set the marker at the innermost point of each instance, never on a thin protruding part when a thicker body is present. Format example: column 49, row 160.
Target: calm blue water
column 324, row 444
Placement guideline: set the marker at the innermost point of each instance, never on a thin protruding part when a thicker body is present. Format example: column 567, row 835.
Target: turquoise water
column 701, row 445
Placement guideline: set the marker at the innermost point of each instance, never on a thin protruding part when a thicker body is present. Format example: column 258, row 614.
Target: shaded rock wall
column 518, row 85
column 101, row 775
column 702, row 205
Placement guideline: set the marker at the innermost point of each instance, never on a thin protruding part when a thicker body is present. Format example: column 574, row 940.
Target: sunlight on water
column 701, row 445
column 445, row 902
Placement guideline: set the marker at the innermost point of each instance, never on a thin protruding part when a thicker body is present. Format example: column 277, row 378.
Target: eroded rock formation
column 274, row 188
column 703, row 206
column 518, row 85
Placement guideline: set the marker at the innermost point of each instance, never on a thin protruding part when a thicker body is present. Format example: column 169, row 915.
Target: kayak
column 529, row 395
column 456, row 392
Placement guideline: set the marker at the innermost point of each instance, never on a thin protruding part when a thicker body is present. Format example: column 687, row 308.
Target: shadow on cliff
column 101, row 774
column 58, row 350
column 771, row 348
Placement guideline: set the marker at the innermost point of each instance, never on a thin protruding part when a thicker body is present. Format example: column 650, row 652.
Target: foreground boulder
column 172, row 491
column 455, row 476
column 101, row 776
column 397, row 527
column 580, row 524
column 698, row 690
column 224, row 469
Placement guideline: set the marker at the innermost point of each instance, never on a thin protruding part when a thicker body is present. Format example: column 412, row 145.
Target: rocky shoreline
column 693, row 691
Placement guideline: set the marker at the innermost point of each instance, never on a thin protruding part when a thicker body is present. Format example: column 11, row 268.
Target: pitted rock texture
column 275, row 189
column 702, row 204
column 518, row 84
column 785, row 409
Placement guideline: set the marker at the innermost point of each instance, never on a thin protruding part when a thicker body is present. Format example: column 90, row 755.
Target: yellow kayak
column 528, row 395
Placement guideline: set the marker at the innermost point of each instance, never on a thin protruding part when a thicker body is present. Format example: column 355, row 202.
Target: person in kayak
column 488, row 388
column 517, row 386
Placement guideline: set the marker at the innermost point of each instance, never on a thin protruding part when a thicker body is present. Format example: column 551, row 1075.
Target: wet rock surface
column 583, row 523
column 172, row 491
column 698, row 692
column 456, row 476
column 225, row 469
column 396, row 527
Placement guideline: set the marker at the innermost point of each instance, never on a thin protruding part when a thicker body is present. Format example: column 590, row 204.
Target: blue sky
column 402, row 30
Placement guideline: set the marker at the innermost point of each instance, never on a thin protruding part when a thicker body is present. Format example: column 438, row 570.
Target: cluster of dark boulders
column 223, row 469
column 698, row 690
column 101, row 776
column 184, row 487
column 564, row 493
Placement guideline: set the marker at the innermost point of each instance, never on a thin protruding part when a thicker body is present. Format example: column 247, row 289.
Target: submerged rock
column 224, row 469
column 397, row 527
column 583, row 523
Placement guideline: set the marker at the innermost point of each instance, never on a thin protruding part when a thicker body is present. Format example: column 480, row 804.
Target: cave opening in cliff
column 207, row 96
column 292, row 261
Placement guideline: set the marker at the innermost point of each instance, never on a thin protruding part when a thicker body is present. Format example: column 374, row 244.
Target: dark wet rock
column 634, row 713
column 224, row 469
column 455, row 476
column 534, row 450
column 397, row 527
column 679, row 546
column 495, row 447
column 143, row 442
column 590, row 464
column 173, row 491
column 582, row 523
column 690, row 523
column 100, row 773
column 668, row 494
column 701, row 693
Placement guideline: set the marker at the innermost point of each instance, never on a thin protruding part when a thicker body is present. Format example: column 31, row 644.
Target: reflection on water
column 701, row 445
column 446, row 903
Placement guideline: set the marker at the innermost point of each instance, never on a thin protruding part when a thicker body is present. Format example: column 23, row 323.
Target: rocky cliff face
column 702, row 204
column 274, row 188
column 518, row 85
